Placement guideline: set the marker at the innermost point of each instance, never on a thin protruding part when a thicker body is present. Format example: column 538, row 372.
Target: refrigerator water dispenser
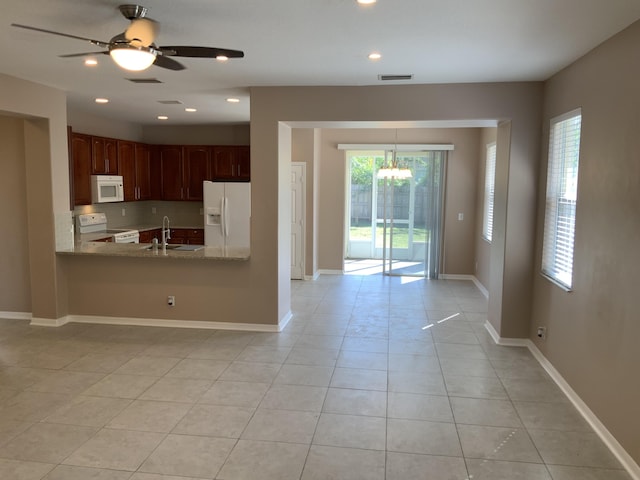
column 214, row 215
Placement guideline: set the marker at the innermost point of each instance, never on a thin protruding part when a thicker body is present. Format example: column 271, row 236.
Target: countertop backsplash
column 142, row 213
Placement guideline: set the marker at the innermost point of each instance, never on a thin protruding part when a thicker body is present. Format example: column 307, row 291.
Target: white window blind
column 489, row 191
column 562, row 193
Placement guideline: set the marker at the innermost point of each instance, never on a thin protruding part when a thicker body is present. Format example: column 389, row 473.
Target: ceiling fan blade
column 143, row 30
column 169, row 63
column 36, row 29
column 201, row 52
column 71, row 55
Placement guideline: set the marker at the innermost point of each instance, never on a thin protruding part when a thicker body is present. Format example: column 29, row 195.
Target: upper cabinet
column 171, row 168
column 134, row 164
column 153, row 172
column 81, row 163
column 231, row 163
column 184, row 168
column 104, row 156
column 143, row 171
column 195, row 170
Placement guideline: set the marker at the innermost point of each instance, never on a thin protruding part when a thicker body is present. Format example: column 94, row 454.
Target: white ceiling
column 298, row 42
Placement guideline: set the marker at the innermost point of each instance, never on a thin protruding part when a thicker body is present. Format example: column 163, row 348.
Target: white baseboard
column 15, row 315
column 284, row 321
column 480, row 286
column 629, row 464
column 49, row 322
column 472, row 278
column 159, row 322
column 328, row 272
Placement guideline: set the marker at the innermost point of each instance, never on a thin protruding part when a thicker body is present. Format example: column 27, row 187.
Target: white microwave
column 106, row 188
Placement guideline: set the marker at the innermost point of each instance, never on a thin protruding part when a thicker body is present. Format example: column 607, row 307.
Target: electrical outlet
column 124, row 212
column 542, row 332
column 460, row 217
column 171, row 301
column 153, row 210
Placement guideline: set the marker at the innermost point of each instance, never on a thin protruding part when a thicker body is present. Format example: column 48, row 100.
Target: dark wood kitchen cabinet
column 134, row 163
column 231, row 163
column 184, row 168
column 170, row 157
column 147, row 236
column 187, row 236
column 81, row 164
column 195, row 171
column 104, row 156
column 143, row 171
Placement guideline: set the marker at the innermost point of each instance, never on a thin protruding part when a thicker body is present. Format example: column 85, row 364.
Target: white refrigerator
column 227, row 214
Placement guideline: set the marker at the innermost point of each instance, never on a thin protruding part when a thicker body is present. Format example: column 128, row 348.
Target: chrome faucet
column 166, row 233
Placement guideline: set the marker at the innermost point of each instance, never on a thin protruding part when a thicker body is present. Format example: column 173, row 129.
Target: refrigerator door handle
column 226, row 214
column 222, row 216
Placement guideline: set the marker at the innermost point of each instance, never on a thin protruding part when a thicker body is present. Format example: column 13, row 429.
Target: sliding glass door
column 397, row 220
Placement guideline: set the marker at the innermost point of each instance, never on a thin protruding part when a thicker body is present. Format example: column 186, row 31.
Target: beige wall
column 458, row 253
column 196, row 134
column 483, row 247
column 271, row 156
column 82, row 122
column 313, row 107
column 15, row 283
column 46, row 178
column 593, row 332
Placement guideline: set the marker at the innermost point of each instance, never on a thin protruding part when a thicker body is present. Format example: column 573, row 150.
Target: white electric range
column 97, row 223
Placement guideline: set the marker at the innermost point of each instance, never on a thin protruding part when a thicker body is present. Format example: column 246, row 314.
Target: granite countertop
column 139, row 250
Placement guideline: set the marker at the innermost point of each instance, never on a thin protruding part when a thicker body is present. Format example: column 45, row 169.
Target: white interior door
column 297, row 220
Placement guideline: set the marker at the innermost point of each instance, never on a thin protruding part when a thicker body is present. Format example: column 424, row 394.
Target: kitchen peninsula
column 143, row 250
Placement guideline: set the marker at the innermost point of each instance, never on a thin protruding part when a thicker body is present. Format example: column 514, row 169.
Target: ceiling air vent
column 144, row 80
column 170, row 102
column 395, row 77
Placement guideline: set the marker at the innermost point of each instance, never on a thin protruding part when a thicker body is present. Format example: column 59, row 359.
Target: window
column 562, row 193
column 489, row 191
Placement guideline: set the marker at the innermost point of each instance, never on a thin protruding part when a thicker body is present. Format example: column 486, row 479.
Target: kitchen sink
column 179, row 247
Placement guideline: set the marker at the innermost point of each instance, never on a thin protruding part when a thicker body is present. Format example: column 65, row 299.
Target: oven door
column 130, row 236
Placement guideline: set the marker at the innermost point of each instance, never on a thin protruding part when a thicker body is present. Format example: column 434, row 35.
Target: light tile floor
column 374, row 378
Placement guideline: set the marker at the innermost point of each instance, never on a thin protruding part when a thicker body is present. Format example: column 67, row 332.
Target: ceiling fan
column 134, row 48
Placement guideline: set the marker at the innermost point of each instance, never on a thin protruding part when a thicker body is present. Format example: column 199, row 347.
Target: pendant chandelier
column 393, row 170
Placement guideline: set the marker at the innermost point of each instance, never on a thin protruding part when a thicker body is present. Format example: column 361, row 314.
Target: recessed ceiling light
column 222, row 58
column 91, row 62
column 366, row 2
column 188, row 109
column 102, row 100
column 233, row 100
column 163, row 117
column 375, row 56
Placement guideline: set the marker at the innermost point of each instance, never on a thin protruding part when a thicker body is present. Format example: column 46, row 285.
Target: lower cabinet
column 187, row 236
column 147, row 236
column 180, row 236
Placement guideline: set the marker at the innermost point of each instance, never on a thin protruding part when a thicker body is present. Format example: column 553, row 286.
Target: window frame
column 561, row 193
column 489, row 191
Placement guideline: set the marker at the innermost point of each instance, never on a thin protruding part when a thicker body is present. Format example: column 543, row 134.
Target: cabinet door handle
column 238, row 169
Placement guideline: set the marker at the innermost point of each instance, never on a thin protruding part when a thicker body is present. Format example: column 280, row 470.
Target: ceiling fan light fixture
column 133, row 58
column 222, row 58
